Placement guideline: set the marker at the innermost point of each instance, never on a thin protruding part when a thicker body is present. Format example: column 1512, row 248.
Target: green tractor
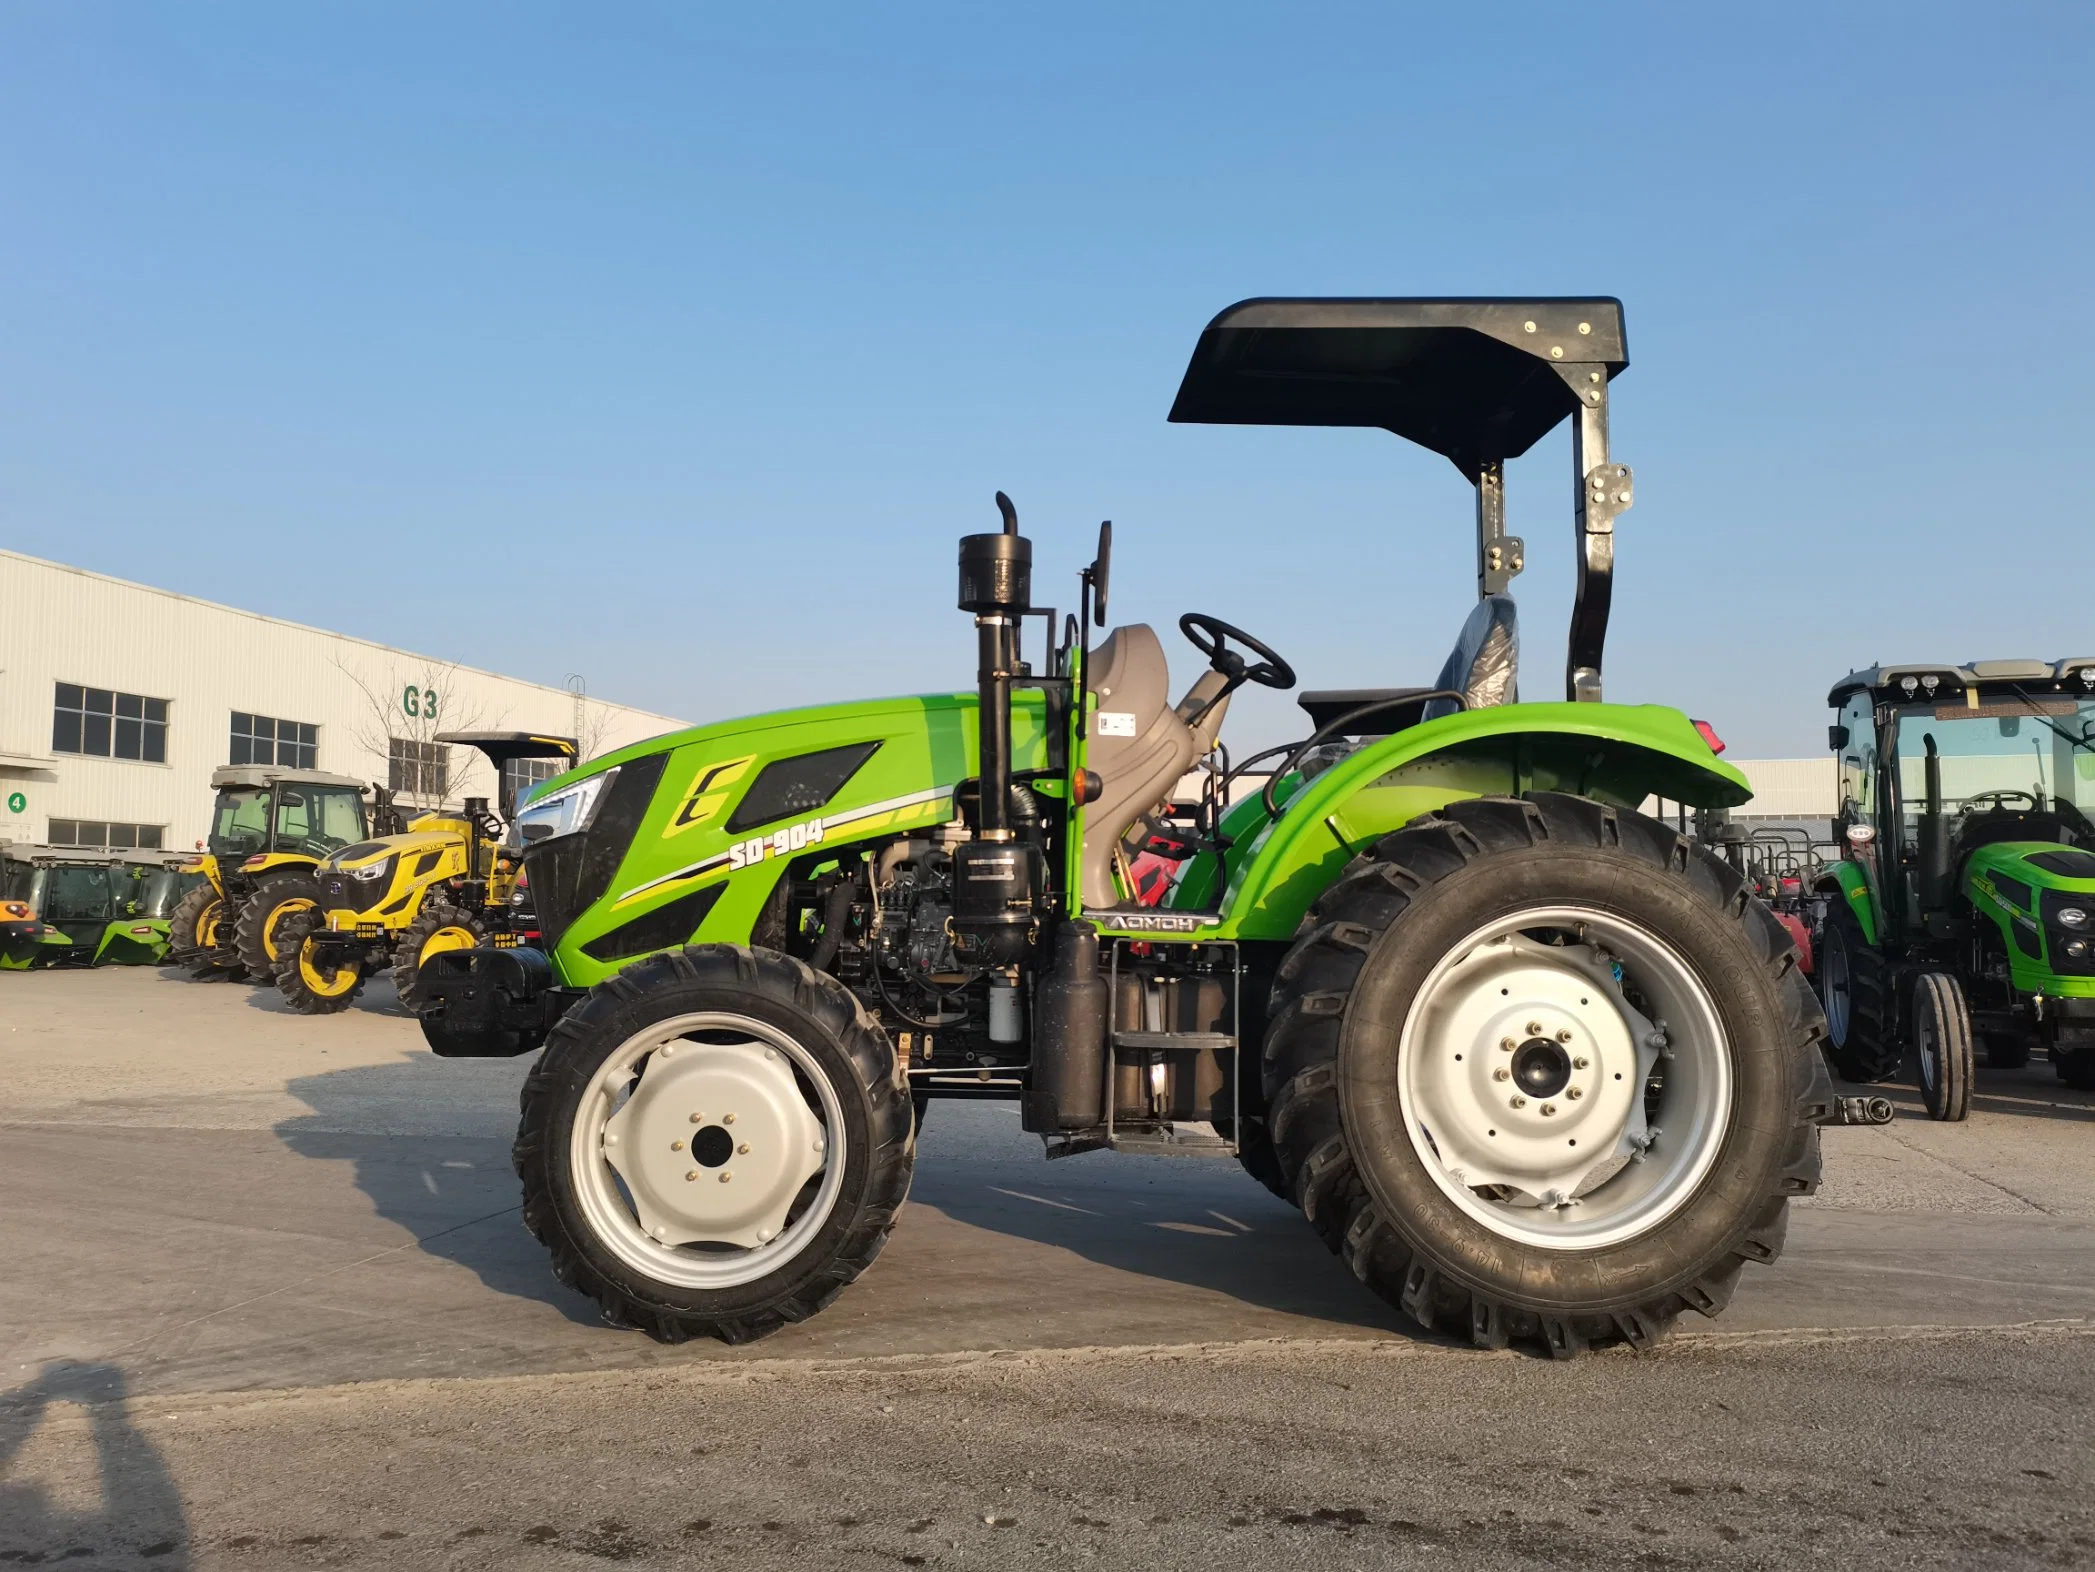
column 82, row 906
column 1540, row 1069
column 1963, row 909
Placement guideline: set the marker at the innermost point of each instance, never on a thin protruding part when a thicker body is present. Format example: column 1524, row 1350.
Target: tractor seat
column 1482, row 667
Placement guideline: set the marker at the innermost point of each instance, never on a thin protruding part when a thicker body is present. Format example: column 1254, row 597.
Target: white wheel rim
column 678, row 1105
column 1549, row 1142
column 1834, row 969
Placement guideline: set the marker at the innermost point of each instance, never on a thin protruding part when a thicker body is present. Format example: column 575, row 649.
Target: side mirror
column 1836, row 737
column 1101, row 569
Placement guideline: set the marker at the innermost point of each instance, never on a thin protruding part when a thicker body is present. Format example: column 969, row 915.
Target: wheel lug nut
column 727, row 1118
column 1520, row 1102
column 1501, row 1074
column 1578, row 1064
column 698, row 1118
column 1563, row 1034
column 1573, row 1093
column 676, row 1146
column 1548, row 1109
column 692, row 1176
column 743, row 1149
column 1534, row 1028
column 725, row 1176
column 1508, row 1044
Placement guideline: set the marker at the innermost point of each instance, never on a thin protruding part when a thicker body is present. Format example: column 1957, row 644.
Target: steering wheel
column 1270, row 672
column 2000, row 800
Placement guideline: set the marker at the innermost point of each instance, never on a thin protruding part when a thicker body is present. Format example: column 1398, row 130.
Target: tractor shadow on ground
column 427, row 1141
column 138, row 1520
column 1199, row 1223
column 2033, row 1091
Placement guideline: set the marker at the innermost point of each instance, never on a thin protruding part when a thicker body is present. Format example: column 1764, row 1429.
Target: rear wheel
column 1942, row 1046
column 1541, row 1070
column 1852, row 986
column 714, row 1142
column 316, row 978
column 259, row 939
column 438, row 928
column 2006, row 1050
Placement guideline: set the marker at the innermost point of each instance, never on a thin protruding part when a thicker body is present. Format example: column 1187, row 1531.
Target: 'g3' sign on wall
column 418, row 702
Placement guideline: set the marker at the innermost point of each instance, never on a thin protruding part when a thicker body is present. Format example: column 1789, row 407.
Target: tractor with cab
column 1541, row 1070
column 1961, row 913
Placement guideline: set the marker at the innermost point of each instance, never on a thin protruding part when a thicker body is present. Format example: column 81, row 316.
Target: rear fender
column 1613, row 753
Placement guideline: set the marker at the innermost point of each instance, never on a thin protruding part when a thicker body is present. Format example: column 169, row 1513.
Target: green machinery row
column 83, row 906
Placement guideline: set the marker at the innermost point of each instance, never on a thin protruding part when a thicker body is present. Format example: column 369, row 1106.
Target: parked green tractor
column 1539, row 1068
column 1964, row 908
column 83, row 906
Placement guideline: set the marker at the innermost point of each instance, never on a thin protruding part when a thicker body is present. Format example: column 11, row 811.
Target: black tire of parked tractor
column 437, row 916
column 258, row 936
column 2075, row 1066
column 1865, row 1048
column 1942, row 1054
column 291, row 978
column 185, row 946
column 1339, row 1005
column 2006, row 1050
column 1258, row 1158
column 824, row 1018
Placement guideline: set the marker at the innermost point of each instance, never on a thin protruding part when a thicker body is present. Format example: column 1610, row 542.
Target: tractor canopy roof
column 36, row 852
column 1478, row 381
column 260, row 777
column 502, row 746
column 2074, row 674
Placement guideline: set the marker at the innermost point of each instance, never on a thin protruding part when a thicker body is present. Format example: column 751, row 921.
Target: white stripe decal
column 853, row 816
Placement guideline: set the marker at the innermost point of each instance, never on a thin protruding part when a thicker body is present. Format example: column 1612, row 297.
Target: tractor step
column 1189, row 1139
column 1174, row 1040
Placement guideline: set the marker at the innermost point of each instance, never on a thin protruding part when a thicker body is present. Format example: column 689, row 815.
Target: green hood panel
column 2021, row 885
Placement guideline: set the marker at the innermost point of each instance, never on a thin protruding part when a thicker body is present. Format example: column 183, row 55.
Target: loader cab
column 261, row 811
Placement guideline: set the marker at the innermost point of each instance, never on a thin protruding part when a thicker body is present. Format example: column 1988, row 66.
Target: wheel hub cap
column 714, row 1143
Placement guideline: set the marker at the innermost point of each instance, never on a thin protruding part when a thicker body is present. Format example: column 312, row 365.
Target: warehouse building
column 117, row 701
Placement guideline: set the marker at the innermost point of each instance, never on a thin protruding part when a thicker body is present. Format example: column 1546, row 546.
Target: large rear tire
column 1497, row 984
column 259, row 938
column 1942, row 1052
column 683, row 1076
column 1855, row 992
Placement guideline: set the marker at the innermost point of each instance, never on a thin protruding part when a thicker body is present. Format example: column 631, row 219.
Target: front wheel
column 316, row 976
column 1942, row 1046
column 715, row 1142
column 259, row 938
column 1543, row 1071
column 437, row 929
column 194, row 927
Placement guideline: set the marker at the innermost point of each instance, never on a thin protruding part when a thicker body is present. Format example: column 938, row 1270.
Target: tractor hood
column 2043, row 896
column 431, row 834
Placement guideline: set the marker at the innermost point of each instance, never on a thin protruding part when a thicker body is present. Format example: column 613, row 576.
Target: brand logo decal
column 708, row 794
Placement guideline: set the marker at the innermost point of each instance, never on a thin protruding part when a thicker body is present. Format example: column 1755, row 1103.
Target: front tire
column 1852, row 986
column 259, row 938
column 308, row 983
column 1942, row 1052
column 630, row 1141
column 1654, row 1012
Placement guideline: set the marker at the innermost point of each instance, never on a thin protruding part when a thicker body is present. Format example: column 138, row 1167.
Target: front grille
column 570, row 873
column 2057, row 935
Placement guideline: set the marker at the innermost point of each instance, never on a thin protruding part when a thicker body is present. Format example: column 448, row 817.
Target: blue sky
column 703, row 331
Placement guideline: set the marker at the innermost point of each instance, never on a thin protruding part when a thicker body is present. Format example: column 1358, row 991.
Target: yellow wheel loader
column 270, row 829
column 448, row 882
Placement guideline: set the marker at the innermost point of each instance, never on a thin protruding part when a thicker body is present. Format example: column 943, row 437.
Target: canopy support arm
column 1499, row 555
column 1603, row 491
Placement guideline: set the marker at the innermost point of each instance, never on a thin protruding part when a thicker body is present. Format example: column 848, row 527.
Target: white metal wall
column 1782, row 789
column 61, row 624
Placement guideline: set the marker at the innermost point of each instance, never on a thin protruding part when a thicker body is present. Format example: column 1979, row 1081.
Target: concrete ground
column 269, row 1304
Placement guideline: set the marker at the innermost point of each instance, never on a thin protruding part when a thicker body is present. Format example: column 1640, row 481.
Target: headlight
column 2073, row 916
column 375, row 871
column 566, row 811
column 2077, row 949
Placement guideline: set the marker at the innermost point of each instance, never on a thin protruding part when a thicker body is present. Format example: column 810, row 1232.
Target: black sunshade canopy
column 1475, row 380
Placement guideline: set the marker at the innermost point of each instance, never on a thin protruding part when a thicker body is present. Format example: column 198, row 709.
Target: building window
column 109, row 725
column 420, row 769
column 115, row 837
column 520, row 775
column 257, row 739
